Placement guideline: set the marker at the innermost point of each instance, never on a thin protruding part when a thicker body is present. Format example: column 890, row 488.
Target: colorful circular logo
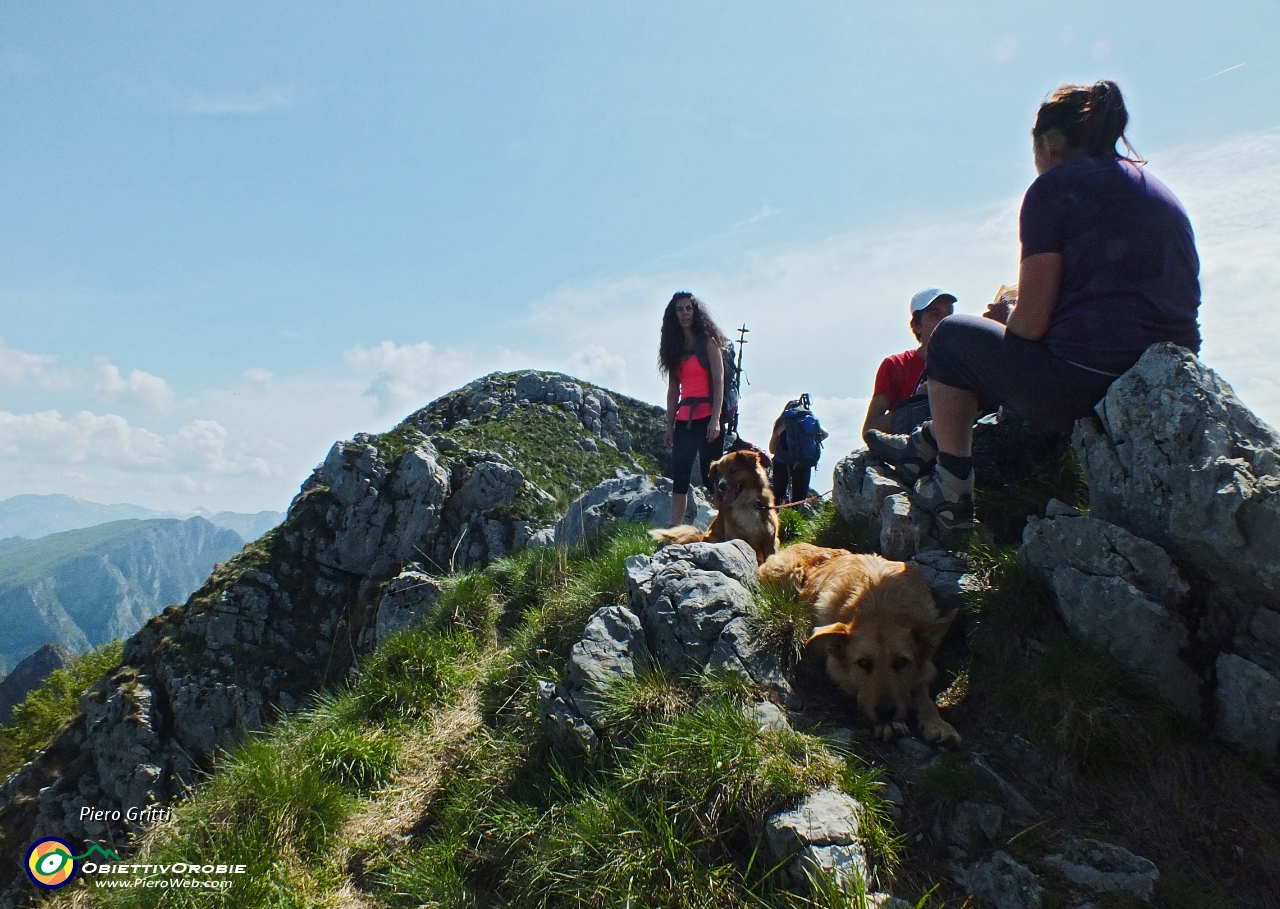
column 50, row 863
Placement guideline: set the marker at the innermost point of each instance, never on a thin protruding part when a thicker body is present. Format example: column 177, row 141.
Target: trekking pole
column 737, row 380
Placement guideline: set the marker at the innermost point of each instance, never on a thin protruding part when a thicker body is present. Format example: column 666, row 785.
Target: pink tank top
column 695, row 382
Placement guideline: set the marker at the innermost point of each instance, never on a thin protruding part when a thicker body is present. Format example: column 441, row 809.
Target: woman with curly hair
column 1109, row 267
column 689, row 355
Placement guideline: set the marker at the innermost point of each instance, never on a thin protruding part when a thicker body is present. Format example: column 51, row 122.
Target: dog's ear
column 836, row 630
column 930, row 634
column 761, row 458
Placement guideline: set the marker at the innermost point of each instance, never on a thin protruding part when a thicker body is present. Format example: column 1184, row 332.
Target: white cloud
column 822, row 316
column 600, row 366
column 263, row 100
column 139, row 388
column 205, row 442
column 18, row 367
column 1231, row 189
column 259, row 377
column 84, row 438
column 407, row 376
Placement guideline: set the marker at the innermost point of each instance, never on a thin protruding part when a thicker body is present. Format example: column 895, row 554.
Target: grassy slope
column 428, row 780
column 540, row 444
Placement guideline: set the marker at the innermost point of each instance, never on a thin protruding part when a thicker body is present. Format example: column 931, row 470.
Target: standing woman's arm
column 717, row 388
column 673, row 401
column 1039, row 279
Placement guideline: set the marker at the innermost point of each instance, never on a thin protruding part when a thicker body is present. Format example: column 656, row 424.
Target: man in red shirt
column 901, row 376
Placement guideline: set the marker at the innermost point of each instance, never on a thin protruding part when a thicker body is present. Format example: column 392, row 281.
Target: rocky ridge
column 1175, row 572
column 449, row 488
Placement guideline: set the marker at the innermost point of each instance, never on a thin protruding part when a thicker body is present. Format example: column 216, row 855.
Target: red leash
column 795, row 504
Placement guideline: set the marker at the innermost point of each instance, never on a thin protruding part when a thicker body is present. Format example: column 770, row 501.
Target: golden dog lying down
column 877, row 627
column 740, row 490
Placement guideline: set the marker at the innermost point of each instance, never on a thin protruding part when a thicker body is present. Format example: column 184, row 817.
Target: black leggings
column 691, row 441
column 980, row 356
column 797, row 479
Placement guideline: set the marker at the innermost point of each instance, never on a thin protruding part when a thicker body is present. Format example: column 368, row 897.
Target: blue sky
column 234, row 235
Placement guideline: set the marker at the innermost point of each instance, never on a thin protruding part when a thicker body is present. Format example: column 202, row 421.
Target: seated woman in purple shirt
column 1109, row 267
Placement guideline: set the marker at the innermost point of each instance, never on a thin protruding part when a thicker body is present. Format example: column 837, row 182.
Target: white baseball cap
column 928, row 295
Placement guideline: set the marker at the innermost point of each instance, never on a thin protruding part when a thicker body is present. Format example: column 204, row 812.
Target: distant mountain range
column 84, row 587
column 32, row 516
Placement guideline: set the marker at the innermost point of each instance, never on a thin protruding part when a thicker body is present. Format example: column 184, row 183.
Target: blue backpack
column 804, row 436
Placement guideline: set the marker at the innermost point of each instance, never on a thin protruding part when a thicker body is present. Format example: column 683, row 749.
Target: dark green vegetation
column 428, row 779
column 45, row 709
column 1112, row 761
column 543, row 446
column 1016, row 472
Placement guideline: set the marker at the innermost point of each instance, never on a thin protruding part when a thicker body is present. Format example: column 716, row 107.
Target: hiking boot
column 949, row 500
column 911, row 456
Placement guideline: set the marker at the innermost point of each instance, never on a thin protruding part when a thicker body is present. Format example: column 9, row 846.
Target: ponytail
column 1084, row 120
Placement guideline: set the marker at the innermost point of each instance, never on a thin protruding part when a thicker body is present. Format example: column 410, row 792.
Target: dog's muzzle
column 728, row 494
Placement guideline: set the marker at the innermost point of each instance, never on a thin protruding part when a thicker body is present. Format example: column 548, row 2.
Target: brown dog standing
column 740, row 492
column 877, row 627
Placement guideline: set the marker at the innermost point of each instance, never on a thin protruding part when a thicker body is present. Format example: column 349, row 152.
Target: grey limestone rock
column 822, row 835
column 571, row 735
column 886, row 901
column 685, row 606
column 1178, row 459
column 971, row 826
column 1259, row 640
column 769, row 715
column 1004, row 881
column 1247, row 705
column 122, row 740
column 904, row 528
column 949, row 575
column 1100, row 549
column 860, row 486
column 1132, row 629
column 490, row 485
column 1120, row 593
column 1105, row 867
column 531, row 387
column 355, row 474
column 405, row 601
column 740, row 649
column 612, row 648
column 420, row 488
column 628, row 499
column 995, row 787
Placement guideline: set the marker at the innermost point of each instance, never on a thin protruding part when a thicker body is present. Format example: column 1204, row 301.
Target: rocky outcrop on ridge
column 689, row 610
column 1175, row 572
column 465, row 480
